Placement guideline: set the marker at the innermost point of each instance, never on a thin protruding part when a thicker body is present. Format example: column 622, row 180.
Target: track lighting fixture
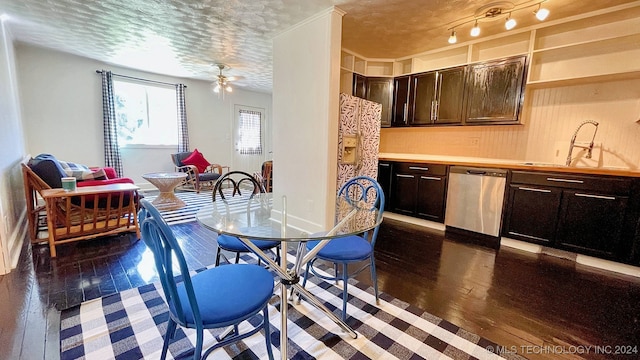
column 475, row 30
column 541, row 13
column 453, row 38
column 494, row 11
column 510, row 23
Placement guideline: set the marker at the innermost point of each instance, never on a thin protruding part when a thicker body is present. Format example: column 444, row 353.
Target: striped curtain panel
column 183, row 133
column 111, row 150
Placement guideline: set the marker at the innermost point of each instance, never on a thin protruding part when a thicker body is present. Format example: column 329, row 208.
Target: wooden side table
column 166, row 183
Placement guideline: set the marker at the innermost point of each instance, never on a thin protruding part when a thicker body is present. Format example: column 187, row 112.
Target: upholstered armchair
column 200, row 172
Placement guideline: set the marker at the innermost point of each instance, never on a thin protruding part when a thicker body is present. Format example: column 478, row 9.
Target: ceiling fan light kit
column 495, row 11
column 221, row 84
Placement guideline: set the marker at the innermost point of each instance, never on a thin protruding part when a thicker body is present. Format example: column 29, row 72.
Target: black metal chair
column 226, row 188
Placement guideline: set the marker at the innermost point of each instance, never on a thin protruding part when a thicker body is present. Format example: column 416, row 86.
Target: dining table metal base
column 290, row 281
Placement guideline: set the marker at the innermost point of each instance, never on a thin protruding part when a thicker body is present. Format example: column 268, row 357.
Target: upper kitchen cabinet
column 495, row 91
column 359, row 86
column 380, row 90
column 438, row 97
column 401, row 100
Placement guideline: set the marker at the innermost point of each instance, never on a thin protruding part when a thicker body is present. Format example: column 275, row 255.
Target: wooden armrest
column 192, row 170
column 214, row 167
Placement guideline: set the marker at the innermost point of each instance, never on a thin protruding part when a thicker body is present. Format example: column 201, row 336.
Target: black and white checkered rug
column 194, row 201
column 131, row 325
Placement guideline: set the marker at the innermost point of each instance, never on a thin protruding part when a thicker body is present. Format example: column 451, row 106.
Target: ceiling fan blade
column 235, row 78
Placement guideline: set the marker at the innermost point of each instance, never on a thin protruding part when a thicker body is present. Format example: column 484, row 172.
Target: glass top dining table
column 250, row 217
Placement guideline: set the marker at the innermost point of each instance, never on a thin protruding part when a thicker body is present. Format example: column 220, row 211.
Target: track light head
column 510, row 23
column 453, row 38
column 475, row 30
column 541, row 13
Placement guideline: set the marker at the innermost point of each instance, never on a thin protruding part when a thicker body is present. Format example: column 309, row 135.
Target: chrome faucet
column 588, row 146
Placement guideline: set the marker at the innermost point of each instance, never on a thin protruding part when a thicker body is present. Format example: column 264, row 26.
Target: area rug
column 194, row 202
column 131, row 325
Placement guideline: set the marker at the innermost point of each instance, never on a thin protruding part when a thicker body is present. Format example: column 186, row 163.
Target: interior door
column 248, row 139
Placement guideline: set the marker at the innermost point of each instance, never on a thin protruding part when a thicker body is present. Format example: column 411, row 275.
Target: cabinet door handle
column 430, row 178
column 435, row 110
column 404, row 176
column 565, row 180
column 405, row 112
column 384, row 165
column 418, row 168
column 433, row 107
column 533, row 189
column 596, row 196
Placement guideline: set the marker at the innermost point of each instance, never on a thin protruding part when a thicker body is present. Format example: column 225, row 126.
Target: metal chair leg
column 345, row 280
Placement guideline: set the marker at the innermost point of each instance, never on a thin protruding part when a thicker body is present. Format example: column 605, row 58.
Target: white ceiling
column 184, row 38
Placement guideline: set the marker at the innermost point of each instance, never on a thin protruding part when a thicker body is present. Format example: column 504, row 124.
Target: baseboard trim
column 586, row 260
column 608, row 265
column 415, row 221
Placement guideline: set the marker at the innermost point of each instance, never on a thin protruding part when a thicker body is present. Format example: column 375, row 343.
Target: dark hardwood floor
column 537, row 305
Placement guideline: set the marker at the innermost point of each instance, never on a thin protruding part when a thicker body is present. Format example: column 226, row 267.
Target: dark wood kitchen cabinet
column 385, row 172
column 591, row 222
column 359, row 86
column 532, row 213
column 376, row 89
column 495, row 91
column 438, row 97
column 580, row 213
column 380, row 90
column 401, row 101
column 419, row 190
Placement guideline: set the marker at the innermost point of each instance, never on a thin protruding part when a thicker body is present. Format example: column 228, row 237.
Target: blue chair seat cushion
column 227, row 293
column 208, row 176
column 232, row 243
column 344, row 249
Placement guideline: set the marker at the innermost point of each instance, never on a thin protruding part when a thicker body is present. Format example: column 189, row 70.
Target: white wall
column 306, row 82
column 12, row 203
column 62, row 112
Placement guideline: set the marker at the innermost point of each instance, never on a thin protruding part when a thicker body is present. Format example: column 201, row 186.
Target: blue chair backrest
column 162, row 242
column 363, row 189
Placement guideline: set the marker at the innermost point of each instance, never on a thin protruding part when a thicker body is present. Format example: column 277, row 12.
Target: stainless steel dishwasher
column 474, row 199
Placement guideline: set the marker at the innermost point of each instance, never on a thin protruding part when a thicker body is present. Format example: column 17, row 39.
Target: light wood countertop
column 506, row 164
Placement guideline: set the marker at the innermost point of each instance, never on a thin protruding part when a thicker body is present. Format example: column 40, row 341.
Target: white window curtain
column 249, row 131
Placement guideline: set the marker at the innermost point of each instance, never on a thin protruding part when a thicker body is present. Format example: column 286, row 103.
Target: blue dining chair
column 355, row 248
column 235, row 183
column 214, row 298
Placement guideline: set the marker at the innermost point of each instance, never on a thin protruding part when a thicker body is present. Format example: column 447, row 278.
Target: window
column 145, row 114
column 249, row 132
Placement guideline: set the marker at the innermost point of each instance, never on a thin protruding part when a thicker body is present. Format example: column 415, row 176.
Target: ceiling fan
column 222, row 83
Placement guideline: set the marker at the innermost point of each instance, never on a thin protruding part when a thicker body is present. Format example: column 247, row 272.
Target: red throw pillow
column 197, row 159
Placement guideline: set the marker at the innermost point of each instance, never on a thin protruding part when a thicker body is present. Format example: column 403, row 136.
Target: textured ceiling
column 184, row 38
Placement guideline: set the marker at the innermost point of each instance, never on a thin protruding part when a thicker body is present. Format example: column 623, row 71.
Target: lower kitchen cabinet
column 384, row 179
column 419, row 190
column 579, row 213
column 591, row 222
column 532, row 213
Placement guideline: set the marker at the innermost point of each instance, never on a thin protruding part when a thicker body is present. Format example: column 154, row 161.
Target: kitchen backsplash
column 550, row 117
